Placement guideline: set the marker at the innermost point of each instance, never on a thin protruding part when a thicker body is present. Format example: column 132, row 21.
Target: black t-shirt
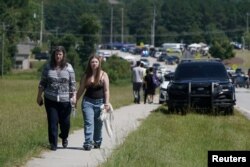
column 95, row 92
column 149, row 81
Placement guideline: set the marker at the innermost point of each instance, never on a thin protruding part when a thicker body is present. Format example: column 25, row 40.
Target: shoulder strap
column 101, row 78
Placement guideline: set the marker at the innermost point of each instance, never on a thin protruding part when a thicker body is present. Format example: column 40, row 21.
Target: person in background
column 59, row 88
column 143, row 69
column 95, row 86
column 137, row 79
column 150, row 87
column 145, row 87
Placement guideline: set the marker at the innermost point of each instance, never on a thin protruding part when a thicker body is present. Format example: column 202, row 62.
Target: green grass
column 245, row 55
column 181, row 141
column 23, row 124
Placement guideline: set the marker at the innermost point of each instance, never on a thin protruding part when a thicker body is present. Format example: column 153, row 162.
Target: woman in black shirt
column 95, row 84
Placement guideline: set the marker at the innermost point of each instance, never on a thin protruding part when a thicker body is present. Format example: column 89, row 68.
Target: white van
column 173, row 47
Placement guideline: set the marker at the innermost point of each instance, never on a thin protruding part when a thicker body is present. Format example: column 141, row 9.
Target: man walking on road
column 137, row 78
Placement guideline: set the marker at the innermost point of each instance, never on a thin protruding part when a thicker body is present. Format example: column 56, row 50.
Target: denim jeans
column 92, row 123
column 57, row 113
column 137, row 91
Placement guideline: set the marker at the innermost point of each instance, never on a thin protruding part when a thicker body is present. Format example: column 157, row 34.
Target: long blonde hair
column 89, row 71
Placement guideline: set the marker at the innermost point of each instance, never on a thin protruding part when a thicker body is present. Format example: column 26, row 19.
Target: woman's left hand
column 73, row 100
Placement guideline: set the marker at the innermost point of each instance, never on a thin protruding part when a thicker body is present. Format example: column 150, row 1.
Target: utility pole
column 247, row 22
column 122, row 28
column 3, row 50
column 41, row 26
column 243, row 42
column 153, row 29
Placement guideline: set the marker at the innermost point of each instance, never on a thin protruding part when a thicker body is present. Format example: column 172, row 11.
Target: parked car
column 239, row 78
column 145, row 62
column 161, row 71
column 175, row 58
column 163, row 95
column 162, row 57
column 135, row 50
column 42, row 56
column 203, row 86
column 156, row 66
column 169, row 60
column 144, row 52
column 157, row 54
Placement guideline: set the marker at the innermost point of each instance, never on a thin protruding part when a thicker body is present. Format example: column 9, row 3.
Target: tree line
column 80, row 25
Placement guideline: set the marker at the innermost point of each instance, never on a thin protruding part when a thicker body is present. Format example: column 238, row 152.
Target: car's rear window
column 201, row 70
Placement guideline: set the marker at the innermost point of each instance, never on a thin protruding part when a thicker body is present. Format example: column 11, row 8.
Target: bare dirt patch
column 234, row 60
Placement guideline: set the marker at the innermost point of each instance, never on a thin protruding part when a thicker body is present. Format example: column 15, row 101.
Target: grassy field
column 245, row 56
column 180, row 141
column 23, row 124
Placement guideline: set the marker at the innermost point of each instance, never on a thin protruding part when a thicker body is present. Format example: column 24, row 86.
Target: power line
column 139, row 35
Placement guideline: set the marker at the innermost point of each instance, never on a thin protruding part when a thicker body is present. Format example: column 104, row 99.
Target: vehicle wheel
column 182, row 110
column 229, row 111
column 170, row 107
column 215, row 111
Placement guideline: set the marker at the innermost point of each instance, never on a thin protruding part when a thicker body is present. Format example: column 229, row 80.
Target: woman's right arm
column 81, row 88
column 39, row 98
column 42, row 85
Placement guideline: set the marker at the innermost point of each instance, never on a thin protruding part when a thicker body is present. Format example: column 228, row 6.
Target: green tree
column 140, row 14
column 117, row 75
column 222, row 50
column 90, row 27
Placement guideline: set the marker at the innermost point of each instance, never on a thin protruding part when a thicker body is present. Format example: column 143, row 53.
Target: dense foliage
column 117, row 75
column 222, row 50
column 89, row 21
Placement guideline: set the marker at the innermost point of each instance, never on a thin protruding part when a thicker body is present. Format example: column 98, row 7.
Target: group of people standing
column 57, row 91
column 143, row 79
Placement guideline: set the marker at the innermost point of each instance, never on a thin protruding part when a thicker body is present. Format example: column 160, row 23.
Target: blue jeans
column 136, row 91
column 92, row 123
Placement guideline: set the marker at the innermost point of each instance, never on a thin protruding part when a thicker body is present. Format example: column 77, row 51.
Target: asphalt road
column 243, row 101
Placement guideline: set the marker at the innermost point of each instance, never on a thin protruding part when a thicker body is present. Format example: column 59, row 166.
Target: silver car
column 163, row 96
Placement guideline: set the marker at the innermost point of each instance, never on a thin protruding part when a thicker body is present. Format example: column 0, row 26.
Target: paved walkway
column 126, row 120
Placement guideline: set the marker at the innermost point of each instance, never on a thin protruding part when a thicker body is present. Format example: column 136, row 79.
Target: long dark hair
column 89, row 72
column 53, row 61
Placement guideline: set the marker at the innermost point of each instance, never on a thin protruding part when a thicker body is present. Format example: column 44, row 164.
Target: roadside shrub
column 118, row 70
column 36, row 50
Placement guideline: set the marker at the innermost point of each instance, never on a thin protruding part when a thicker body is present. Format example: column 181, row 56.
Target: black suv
column 203, row 85
column 42, row 55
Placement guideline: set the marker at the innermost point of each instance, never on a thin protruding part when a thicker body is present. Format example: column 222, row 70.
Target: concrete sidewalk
column 126, row 119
